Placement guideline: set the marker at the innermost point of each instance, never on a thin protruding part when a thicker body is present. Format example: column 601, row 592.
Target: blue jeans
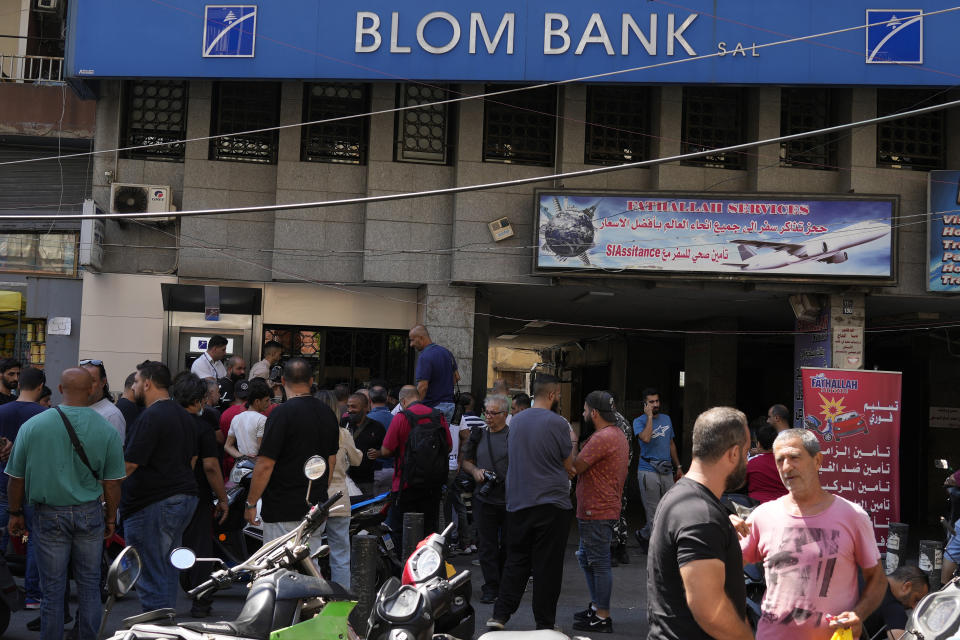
column 155, row 531
column 338, row 537
column 594, row 558
column 69, row 536
column 446, row 408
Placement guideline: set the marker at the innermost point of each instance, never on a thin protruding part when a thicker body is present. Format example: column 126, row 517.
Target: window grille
column 245, row 106
column 618, row 124
column 714, row 117
column 806, row 109
column 910, row 143
column 423, row 135
column 342, row 141
column 155, row 111
column 520, row 127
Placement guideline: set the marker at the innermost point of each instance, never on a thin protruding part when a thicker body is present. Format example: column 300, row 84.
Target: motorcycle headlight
column 402, row 605
column 424, row 563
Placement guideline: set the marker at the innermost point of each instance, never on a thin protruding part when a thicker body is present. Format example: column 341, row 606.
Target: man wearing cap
column 101, row 401
column 210, row 362
column 602, row 466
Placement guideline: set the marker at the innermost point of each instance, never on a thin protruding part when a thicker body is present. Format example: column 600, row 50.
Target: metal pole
column 931, row 561
column 896, row 546
column 412, row 533
column 363, row 579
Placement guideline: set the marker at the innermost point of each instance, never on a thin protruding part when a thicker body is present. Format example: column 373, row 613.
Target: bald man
column 436, row 372
column 64, row 484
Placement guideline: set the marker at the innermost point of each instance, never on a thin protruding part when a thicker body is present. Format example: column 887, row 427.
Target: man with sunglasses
column 101, row 401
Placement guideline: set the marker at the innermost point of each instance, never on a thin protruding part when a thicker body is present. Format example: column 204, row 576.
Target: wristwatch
column 16, row 514
column 247, row 505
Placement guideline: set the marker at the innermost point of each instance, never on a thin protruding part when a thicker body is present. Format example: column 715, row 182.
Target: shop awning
column 189, row 297
column 11, row 301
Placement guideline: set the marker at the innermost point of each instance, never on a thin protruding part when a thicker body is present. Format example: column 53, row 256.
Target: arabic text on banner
column 856, row 416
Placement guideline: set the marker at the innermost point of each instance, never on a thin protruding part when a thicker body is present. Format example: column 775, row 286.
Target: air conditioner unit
column 92, row 233
column 141, row 198
column 47, row 5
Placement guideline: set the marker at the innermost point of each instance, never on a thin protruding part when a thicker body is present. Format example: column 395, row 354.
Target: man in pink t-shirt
column 602, row 469
column 811, row 544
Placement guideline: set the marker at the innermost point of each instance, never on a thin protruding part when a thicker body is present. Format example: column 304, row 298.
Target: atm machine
column 188, row 330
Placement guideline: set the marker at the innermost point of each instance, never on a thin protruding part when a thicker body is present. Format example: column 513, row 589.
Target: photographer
column 485, row 457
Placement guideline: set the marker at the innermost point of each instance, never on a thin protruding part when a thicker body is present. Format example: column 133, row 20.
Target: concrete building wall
column 386, row 242
column 57, row 298
column 122, row 321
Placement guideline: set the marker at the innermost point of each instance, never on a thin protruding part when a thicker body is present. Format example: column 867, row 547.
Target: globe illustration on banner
column 569, row 232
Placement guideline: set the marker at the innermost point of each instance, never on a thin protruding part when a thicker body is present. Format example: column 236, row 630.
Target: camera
column 490, row 480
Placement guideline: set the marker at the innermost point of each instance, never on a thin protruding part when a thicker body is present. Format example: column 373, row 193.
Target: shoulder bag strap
column 77, row 446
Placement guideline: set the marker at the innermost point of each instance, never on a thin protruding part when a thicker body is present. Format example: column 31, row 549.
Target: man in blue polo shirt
column 659, row 464
column 436, row 372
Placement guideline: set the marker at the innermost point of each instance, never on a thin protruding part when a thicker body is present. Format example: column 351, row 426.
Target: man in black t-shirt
column 694, row 550
column 905, row 588
column 367, row 434
column 300, row 428
column 127, row 403
column 188, row 391
column 9, row 378
column 160, row 492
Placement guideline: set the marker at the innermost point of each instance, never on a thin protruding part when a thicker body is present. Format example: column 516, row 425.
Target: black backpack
column 426, row 460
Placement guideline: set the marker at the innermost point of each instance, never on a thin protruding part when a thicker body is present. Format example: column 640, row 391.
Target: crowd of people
column 156, row 463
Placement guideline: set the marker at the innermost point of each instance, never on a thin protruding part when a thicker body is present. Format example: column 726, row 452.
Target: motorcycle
column 936, row 616
column 235, row 538
column 11, row 598
column 428, row 564
column 289, row 600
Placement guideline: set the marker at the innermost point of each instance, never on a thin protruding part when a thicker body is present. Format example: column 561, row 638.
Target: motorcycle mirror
column 123, row 572
column 183, row 558
column 314, row 467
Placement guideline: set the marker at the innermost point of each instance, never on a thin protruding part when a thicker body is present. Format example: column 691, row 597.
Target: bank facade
column 342, row 284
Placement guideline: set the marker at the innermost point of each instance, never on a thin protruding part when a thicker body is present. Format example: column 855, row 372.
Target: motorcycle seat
column 255, row 619
column 157, row 616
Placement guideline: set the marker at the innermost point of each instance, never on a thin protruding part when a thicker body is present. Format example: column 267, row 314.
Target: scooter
column 936, row 616
column 426, row 565
column 368, row 518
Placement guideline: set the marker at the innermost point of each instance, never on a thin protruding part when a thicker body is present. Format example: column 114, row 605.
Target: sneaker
column 469, row 549
column 34, row 625
column 475, row 563
column 595, row 624
column 30, row 603
column 496, row 625
column 586, row 614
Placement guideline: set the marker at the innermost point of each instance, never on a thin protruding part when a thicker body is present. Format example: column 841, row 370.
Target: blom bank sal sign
column 856, row 417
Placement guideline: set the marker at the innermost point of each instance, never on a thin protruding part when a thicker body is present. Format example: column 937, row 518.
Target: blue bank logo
column 229, row 31
column 894, row 36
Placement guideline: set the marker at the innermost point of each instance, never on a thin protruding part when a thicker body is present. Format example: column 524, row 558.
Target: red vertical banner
column 856, row 416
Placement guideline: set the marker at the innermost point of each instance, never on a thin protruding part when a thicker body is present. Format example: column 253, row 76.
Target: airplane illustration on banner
column 829, row 248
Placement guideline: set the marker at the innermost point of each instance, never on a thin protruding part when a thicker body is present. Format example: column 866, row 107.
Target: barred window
column 342, row 141
column 424, row 134
column 245, row 106
column 910, row 143
column 520, row 127
column 714, row 117
column 155, row 111
column 806, row 109
column 618, row 124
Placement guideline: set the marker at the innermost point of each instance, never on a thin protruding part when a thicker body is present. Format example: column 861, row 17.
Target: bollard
column 363, row 579
column 412, row 533
column 896, row 546
column 931, row 561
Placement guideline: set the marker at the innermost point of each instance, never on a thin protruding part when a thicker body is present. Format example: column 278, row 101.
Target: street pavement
column 628, row 605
